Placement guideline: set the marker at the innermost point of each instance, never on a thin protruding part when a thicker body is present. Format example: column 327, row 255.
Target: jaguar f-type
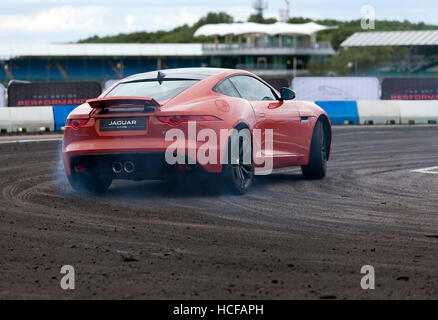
column 179, row 123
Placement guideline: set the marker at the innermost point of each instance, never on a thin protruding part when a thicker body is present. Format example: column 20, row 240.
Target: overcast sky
column 53, row 21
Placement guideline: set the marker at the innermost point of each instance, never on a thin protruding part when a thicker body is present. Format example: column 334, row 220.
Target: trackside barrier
column 31, row 119
column 2, row 95
column 5, row 120
column 379, row 112
column 336, row 88
column 340, row 112
column 60, row 114
column 37, row 119
column 421, row 112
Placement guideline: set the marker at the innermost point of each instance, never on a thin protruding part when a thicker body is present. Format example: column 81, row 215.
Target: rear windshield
column 160, row 91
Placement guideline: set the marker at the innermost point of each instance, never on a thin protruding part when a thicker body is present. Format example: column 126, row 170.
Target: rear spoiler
column 124, row 102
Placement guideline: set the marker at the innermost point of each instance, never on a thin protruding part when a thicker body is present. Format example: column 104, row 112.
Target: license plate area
column 122, row 124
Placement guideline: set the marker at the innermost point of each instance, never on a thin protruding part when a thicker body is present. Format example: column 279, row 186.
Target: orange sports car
column 220, row 123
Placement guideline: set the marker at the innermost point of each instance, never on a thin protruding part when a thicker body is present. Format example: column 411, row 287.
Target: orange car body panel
column 292, row 136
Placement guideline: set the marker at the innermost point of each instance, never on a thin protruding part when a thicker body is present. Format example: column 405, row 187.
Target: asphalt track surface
column 288, row 238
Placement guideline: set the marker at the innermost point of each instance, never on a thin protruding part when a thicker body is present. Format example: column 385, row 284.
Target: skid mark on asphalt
column 160, row 239
column 30, row 140
column 431, row 170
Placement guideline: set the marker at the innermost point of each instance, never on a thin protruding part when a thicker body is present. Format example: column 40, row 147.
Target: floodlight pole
column 260, row 6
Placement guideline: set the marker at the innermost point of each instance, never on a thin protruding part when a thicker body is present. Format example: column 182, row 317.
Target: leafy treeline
column 184, row 34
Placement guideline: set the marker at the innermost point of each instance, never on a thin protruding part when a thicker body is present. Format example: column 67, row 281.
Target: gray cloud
column 43, row 21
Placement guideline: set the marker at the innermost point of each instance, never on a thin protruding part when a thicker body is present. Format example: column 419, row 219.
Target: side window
column 227, row 88
column 252, row 89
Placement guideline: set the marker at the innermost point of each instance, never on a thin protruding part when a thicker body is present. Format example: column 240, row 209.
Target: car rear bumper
column 129, row 166
column 150, row 161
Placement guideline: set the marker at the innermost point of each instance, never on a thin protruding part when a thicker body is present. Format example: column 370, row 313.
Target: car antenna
column 160, row 77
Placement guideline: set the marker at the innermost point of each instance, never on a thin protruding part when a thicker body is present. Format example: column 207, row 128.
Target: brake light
column 76, row 123
column 176, row 120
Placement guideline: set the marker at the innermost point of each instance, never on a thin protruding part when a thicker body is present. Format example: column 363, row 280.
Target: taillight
column 76, row 123
column 176, row 120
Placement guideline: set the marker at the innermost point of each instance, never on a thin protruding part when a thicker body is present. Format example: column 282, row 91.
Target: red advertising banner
column 51, row 93
column 410, row 89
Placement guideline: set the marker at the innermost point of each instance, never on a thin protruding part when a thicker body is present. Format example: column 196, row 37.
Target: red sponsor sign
column 410, row 89
column 51, row 93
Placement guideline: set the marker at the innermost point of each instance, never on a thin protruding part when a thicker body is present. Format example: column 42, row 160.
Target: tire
column 238, row 178
column 83, row 183
column 317, row 166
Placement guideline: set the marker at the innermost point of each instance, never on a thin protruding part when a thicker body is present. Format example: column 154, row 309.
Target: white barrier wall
column 34, row 119
column 378, row 111
column 419, row 111
column 5, row 120
column 336, row 88
column 31, row 118
column 2, row 95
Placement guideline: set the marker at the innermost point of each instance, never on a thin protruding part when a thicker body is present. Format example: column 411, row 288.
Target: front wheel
column 317, row 166
column 238, row 174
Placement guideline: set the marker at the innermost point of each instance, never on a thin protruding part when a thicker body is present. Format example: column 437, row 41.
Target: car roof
column 181, row 73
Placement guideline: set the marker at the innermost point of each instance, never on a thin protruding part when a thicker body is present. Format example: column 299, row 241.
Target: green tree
column 213, row 18
column 182, row 34
column 255, row 18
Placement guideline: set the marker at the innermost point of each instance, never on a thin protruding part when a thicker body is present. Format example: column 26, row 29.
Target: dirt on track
column 288, row 238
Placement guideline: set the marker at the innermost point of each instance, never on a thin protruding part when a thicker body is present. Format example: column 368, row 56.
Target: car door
column 271, row 113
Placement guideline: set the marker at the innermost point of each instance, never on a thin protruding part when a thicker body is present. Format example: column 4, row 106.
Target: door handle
column 305, row 119
column 262, row 114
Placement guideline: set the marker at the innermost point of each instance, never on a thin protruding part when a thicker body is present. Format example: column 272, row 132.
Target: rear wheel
column 317, row 167
column 85, row 183
column 238, row 174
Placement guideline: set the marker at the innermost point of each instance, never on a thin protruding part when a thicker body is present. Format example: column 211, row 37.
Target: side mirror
column 287, row 94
